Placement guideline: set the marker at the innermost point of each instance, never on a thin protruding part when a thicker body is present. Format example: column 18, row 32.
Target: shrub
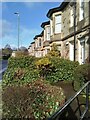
column 44, row 66
column 54, row 51
column 36, row 101
column 20, row 70
column 21, row 53
column 22, row 62
column 56, row 69
column 6, row 53
column 81, row 75
column 19, row 76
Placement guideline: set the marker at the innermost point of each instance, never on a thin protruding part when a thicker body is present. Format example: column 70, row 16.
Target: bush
column 6, row 53
column 57, row 69
column 22, row 62
column 54, row 51
column 44, row 66
column 21, row 53
column 36, row 101
column 19, row 76
column 20, row 70
column 81, row 75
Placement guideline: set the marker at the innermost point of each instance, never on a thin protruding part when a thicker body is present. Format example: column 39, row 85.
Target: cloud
column 29, row 4
column 9, row 34
column 27, row 35
column 6, row 27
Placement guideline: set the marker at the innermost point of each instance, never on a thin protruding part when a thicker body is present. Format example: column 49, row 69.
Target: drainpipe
column 89, row 43
column 73, row 4
column 74, row 30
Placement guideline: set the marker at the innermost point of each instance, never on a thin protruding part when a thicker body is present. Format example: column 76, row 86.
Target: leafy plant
column 81, row 75
column 54, row 51
column 36, row 100
column 44, row 66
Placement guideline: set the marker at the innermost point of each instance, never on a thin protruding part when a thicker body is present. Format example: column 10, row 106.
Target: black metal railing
column 60, row 113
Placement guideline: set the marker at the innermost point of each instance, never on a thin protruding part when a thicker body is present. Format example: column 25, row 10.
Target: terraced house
column 31, row 49
column 69, row 28
column 38, row 45
column 70, row 23
column 46, row 42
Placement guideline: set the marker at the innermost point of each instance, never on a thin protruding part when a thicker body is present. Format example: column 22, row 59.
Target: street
column 3, row 66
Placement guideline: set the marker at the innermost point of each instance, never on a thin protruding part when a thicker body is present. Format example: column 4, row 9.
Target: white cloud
column 29, row 4
column 9, row 34
column 6, row 27
column 27, row 35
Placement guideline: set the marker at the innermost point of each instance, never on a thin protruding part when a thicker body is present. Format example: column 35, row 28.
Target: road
column 3, row 66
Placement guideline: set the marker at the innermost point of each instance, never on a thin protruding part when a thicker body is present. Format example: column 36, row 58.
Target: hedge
column 20, row 70
column 58, row 69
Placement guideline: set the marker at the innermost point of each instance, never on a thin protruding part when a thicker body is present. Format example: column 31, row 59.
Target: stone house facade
column 39, row 45
column 46, row 41
column 69, row 28
column 31, row 49
column 64, row 29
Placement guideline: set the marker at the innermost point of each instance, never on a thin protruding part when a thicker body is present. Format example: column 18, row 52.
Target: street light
column 18, row 16
column 73, row 4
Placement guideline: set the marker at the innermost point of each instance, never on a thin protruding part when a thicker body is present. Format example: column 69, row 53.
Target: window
column 40, row 42
column 48, row 32
column 36, row 44
column 58, row 24
column 51, row 27
column 72, row 17
column 81, row 10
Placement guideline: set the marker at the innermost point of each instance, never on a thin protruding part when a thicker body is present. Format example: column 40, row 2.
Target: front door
column 82, row 43
column 71, row 51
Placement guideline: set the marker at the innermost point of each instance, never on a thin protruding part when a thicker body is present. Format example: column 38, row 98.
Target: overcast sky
column 32, row 14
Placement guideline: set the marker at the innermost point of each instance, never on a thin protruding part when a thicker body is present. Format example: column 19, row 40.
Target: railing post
column 87, row 98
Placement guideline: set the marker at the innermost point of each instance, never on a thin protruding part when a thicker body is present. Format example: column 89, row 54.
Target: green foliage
column 22, row 62
column 21, row 53
column 6, row 53
column 44, row 66
column 57, row 69
column 19, row 76
column 54, row 51
column 82, row 75
column 37, row 100
column 20, row 70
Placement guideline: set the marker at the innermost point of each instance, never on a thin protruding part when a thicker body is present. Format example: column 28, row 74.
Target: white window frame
column 48, row 32
column 71, row 17
column 39, row 42
column 57, row 23
column 71, row 53
column 51, row 27
column 81, row 10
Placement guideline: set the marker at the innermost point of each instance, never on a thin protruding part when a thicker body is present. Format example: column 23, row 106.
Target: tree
column 6, row 52
column 7, row 46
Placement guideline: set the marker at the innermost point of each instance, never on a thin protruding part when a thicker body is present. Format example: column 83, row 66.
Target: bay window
column 58, row 24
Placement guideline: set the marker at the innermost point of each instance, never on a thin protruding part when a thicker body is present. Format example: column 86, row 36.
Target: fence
column 58, row 115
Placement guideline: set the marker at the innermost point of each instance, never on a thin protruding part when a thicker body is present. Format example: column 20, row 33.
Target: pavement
column 3, row 67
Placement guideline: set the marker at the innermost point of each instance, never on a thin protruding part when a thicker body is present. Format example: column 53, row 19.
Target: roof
column 60, row 8
column 40, row 35
column 45, row 23
column 32, row 42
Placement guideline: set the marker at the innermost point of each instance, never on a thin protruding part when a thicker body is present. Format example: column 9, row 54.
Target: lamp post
column 18, row 23
column 73, row 4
